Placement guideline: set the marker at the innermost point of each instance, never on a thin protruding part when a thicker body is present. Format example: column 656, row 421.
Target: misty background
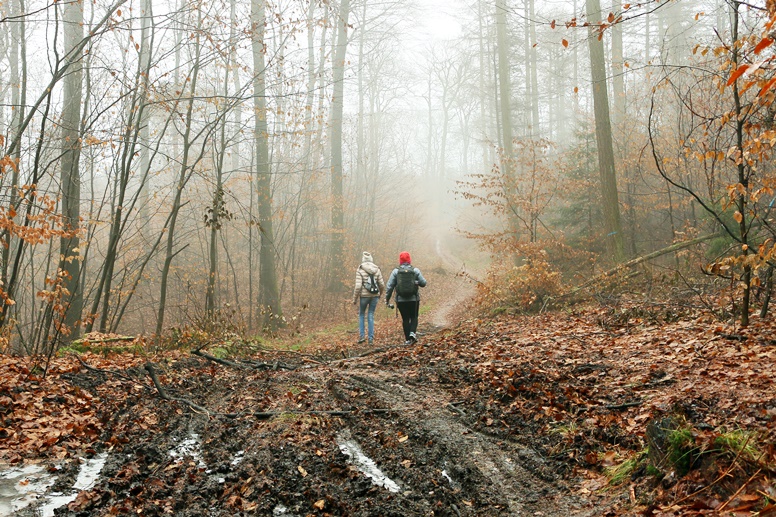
column 177, row 161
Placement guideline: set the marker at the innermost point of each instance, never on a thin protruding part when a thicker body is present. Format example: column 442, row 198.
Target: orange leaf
column 765, row 42
column 738, row 73
column 610, row 19
column 767, row 87
column 552, row 24
column 738, row 217
column 565, row 43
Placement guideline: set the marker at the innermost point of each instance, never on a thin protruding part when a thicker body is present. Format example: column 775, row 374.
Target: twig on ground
column 625, row 405
column 723, row 505
column 460, row 411
column 111, row 372
column 163, row 393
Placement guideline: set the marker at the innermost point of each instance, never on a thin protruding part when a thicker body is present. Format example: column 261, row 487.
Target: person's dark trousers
column 409, row 316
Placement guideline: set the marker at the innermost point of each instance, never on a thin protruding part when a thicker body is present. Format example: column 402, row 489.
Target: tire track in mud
column 516, row 479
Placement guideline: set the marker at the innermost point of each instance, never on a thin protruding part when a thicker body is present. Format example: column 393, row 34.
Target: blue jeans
column 372, row 304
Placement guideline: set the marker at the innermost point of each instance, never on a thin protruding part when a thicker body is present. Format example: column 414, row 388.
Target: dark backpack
column 405, row 282
column 370, row 284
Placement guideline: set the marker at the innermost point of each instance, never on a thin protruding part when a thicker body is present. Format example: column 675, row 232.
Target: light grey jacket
column 362, row 275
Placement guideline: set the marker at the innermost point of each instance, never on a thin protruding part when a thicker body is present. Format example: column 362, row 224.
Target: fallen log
column 644, row 258
column 215, row 359
column 112, row 339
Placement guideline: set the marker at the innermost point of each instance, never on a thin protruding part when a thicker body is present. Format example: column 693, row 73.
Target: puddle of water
column 282, row 511
column 21, row 487
column 365, row 464
column 189, row 447
column 238, row 458
column 87, row 477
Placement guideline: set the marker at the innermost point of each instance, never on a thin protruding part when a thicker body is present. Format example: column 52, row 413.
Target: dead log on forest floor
column 644, row 258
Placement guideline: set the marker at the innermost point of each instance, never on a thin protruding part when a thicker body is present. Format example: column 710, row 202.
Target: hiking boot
column 413, row 338
column 408, row 342
column 371, row 342
column 361, row 340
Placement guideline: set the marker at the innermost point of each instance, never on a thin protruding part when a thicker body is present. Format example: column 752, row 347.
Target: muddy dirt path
column 378, row 435
column 510, row 476
column 459, row 287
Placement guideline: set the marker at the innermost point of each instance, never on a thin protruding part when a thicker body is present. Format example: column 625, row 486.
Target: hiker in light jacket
column 368, row 297
column 406, row 279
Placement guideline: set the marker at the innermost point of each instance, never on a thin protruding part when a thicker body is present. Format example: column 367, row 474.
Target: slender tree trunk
column 743, row 176
column 70, row 264
column 603, row 130
column 182, row 180
column 216, row 208
column 337, row 254
column 534, row 71
column 269, row 299
column 504, row 83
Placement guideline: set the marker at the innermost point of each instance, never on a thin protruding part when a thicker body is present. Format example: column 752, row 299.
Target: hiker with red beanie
column 406, row 280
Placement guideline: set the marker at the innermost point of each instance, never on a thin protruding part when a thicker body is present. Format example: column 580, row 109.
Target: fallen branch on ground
column 638, row 260
column 111, row 372
column 166, row 396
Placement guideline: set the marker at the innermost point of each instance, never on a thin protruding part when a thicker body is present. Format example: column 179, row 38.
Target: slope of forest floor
column 507, row 415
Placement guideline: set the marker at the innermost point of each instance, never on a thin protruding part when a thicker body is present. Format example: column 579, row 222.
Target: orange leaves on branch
column 764, row 43
column 738, row 72
column 767, row 86
column 565, row 43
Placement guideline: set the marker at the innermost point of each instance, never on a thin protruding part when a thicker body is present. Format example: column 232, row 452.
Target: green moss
column 682, row 451
column 738, row 443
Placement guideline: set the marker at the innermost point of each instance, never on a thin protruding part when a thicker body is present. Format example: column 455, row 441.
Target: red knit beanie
column 404, row 258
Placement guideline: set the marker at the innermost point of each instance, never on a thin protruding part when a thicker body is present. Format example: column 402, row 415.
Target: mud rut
column 511, row 476
column 189, row 464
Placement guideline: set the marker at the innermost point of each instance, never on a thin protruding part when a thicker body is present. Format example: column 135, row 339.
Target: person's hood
column 369, row 267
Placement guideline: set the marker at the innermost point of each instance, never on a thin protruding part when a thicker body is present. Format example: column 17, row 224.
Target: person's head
column 366, row 257
column 404, row 258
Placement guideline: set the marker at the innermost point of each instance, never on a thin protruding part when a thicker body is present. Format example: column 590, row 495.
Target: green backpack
column 405, row 282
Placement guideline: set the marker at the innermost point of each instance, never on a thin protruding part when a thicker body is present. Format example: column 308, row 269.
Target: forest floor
column 503, row 415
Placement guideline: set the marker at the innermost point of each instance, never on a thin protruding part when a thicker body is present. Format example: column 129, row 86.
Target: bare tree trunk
column 534, row 71
column 182, row 180
column 743, row 175
column 217, row 208
column 505, row 93
column 603, row 129
column 269, row 299
column 337, row 255
column 136, row 125
column 70, row 264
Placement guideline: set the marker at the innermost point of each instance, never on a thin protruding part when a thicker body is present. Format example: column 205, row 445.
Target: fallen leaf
column 302, row 471
column 319, row 504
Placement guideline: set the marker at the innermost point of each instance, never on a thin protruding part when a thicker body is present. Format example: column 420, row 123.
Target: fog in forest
column 168, row 162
